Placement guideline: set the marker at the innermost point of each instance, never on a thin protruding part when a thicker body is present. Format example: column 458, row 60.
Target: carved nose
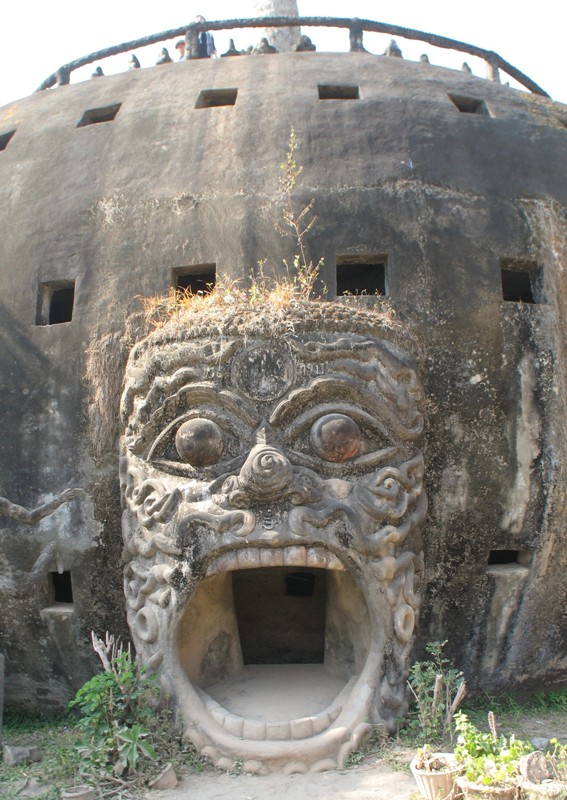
column 266, row 473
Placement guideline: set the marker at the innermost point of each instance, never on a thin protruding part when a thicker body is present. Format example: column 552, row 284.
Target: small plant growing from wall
column 115, row 707
column 264, row 291
column 304, row 273
column 266, row 294
column 438, row 689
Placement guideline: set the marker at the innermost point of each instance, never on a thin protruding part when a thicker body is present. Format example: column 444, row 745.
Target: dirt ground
column 373, row 777
column 546, row 725
column 374, row 780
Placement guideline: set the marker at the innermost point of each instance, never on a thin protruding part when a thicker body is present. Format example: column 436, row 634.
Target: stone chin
column 274, row 492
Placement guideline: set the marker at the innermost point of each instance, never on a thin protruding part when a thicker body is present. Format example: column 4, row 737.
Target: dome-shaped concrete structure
column 442, row 191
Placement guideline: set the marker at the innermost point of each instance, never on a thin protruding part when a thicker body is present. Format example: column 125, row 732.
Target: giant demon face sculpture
column 274, row 491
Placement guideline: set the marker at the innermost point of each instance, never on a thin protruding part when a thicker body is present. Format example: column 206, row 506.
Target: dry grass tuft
column 268, row 306
column 104, row 369
column 106, row 359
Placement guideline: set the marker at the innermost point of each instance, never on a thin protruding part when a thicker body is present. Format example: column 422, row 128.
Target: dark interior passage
column 281, row 615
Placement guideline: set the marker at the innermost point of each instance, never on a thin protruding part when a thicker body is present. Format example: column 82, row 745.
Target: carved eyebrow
column 145, row 379
column 398, row 386
column 191, row 401
column 325, row 389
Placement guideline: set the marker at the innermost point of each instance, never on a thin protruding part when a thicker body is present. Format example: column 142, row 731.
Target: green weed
column 59, row 765
column 547, row 701
column 506, row 705
column 438, row 690
column 488, row 758
column 372, row 745
column 115, row 707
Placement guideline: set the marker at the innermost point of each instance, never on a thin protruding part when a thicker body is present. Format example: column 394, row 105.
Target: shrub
column 114, row 707
column 488, row 758
column 438, row 689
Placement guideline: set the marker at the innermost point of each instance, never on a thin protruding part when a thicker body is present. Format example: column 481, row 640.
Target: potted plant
column 435, row 773
column 544, row 775
column 491, row 762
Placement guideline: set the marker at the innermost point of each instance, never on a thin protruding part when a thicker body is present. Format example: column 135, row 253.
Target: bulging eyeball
column 336, row 437
column 199, row 442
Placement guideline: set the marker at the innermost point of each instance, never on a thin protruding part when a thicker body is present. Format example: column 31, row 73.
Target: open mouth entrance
column 273, row 644
column 281, row 615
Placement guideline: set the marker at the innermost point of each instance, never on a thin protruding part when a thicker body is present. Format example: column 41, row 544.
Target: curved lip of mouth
column 347, row 713
column 278, row 730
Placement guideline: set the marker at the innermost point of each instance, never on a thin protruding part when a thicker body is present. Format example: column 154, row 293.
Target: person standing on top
column 180, row 47
column 206, row 42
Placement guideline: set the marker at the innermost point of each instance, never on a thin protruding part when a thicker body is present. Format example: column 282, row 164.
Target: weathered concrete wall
column 401, row 173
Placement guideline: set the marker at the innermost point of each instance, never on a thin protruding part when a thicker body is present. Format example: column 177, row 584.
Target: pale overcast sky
column 36, row 38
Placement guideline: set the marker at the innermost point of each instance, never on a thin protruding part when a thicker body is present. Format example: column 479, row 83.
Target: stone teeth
column 248, row 558
column 278, row 731
column 218, row 714
column 321, row 722
column 316, row 557
column 161, row 597
column 295, row 556
column 233, row 724
column 273, row 731
column 226, row 562
column 302, row 728
column 271, row 558
column 254, row 729
column 334, row 563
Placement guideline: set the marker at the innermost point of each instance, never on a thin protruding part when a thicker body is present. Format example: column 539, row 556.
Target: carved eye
column 336, row 437
column 199, row 442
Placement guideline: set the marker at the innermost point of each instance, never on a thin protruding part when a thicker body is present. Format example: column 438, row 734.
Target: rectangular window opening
column 470, row 105
column 61, row 589
column 212, row 98
column 509, row 557
column 519, row 281
column 338, row 92
column 361, row 274
column 198, row 279
column 55, row 302
column 5, row 138
column 96, row 115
